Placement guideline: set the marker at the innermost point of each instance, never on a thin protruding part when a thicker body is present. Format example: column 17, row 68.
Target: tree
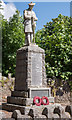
column 12, row 39
column 56, row 39
column 1, row 8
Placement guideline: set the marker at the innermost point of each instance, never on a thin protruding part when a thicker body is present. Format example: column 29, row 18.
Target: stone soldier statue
column 29, row 24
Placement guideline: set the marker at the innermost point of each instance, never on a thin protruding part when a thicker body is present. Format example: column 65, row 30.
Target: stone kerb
column 49, row 112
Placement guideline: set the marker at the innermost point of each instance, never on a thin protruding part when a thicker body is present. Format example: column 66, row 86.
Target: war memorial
column 31, row 97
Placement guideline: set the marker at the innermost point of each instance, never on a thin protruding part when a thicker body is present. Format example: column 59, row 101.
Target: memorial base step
column 32, row 92
column 19, row 101
column 19, row 94
column 25, row 109
column 48, row 110
column 24, row 101
column 11, row 107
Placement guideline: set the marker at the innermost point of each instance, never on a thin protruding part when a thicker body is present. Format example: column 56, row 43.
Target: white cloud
column 8, row 10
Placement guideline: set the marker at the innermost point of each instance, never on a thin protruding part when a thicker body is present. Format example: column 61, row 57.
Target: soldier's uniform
column 29, row 15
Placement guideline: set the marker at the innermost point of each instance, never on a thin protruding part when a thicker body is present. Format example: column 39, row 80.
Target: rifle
column 33, row 28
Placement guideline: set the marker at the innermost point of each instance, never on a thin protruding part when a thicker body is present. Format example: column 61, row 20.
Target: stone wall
column 53, row 112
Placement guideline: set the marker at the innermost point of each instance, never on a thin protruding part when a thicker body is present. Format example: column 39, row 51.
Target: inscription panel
column 36, row 69
column 39, row 93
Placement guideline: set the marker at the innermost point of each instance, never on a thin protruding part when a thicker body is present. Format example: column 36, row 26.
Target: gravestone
column 30, row 79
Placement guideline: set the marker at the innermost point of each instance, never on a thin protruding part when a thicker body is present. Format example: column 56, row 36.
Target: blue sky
column 45, row 11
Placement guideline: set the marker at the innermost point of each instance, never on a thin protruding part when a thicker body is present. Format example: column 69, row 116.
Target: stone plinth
column 30, row 79
column 30, row 68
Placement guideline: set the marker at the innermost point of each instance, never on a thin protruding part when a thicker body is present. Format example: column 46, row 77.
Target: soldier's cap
column 31, row 4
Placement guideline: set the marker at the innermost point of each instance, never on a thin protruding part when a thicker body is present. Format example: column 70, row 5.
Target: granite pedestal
column 30, row 80
column 30, row 68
